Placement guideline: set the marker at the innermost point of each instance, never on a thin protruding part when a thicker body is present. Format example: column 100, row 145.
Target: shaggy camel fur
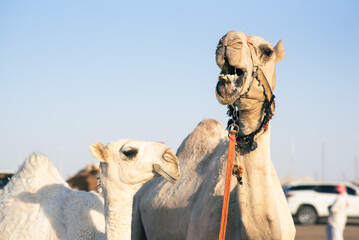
column 192, row 209
column 38, row 204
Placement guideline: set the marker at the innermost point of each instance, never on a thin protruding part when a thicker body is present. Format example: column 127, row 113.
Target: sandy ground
column 317, row 232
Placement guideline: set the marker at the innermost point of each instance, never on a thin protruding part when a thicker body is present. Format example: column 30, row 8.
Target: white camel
column 38, row 204
column 257, row 208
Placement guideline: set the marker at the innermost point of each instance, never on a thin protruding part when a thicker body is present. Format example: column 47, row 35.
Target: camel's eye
column 130, row 153
column 268, row 52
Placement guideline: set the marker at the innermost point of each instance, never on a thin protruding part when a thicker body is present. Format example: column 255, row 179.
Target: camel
column 191, row 209
column 38, row 203
column 85, row 179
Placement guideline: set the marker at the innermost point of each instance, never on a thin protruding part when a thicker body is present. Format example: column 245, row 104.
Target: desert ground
column 317, row 232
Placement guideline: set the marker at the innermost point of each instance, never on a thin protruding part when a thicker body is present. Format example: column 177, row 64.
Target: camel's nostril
column 169, row 156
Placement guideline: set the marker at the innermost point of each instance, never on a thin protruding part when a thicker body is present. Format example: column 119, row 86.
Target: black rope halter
column 247, row 142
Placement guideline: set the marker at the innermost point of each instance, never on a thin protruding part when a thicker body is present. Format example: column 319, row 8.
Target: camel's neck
column 118, row 211
column 250, row 115
column 256, row 196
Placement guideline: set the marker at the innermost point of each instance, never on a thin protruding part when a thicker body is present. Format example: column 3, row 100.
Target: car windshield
column 326, row 189
column 302, row 187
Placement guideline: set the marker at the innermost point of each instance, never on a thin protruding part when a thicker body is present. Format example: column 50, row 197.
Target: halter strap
column 259, row 73
column 248, row 40
column 266, row 87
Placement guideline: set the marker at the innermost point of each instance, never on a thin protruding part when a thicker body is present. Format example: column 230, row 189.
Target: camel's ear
column 279, row 50
column 99, row 151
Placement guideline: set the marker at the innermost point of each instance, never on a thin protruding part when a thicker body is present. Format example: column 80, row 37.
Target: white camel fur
column 38, row 204
column 192, row 208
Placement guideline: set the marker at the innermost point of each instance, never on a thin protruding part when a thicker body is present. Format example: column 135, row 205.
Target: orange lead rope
column 227, row 186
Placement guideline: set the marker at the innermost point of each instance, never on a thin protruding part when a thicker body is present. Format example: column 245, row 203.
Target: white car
column 309, row 201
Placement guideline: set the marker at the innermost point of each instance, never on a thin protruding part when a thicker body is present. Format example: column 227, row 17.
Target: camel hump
column 36, row 171
column 202, row 140
column 210, row 127
column 208, row 130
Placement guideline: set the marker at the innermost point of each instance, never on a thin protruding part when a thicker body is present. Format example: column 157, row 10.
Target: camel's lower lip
column 226, row 96
column 228, row 87
column 172, row 178
column 225, row 90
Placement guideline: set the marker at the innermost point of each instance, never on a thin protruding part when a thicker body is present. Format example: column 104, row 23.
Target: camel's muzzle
column 169, row 168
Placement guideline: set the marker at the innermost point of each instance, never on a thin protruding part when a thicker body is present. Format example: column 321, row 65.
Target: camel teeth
column 227, row 77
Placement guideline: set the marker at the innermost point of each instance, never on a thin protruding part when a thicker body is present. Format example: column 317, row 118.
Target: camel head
column 238, row 56
column 134, row 162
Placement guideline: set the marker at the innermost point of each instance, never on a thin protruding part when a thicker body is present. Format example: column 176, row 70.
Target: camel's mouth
column 230, row 83
column 169, row 168
column 172, row 178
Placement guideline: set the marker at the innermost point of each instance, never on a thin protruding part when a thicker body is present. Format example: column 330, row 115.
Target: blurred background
column 76, row 72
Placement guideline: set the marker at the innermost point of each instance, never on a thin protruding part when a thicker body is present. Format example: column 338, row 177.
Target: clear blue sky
column 76, row 72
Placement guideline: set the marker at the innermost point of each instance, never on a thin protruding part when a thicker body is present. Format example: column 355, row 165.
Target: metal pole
column 292, row 157
column 355, row 159
column 323, row 160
